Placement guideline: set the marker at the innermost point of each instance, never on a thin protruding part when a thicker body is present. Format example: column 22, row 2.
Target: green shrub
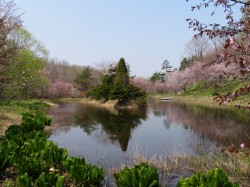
column 33, row 165
column 83, row 174
column 24, row 180
column 50, row 180
column 213, row 178
column 25, row 148
column 54, row 155
column 4, row 162
column 37, row 121
column 38, row 147
column 7, row 152
column 141, row 175
column 31, row 105
column 13, row 130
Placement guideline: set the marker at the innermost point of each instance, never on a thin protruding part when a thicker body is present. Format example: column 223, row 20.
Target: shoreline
column 206, row 101
column 10, row 115
column 171, row 164
column 108, row 104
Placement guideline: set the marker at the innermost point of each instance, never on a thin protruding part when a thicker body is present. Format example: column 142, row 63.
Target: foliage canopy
column 115, row 85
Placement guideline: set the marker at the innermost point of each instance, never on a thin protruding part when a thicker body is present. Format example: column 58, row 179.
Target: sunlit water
column 110, row 137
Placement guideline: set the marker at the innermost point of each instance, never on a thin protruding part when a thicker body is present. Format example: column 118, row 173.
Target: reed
column 179, row 163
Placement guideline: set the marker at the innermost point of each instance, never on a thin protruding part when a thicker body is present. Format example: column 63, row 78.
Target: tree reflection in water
column 116, row 124
column 224, row 126
column 164, row 125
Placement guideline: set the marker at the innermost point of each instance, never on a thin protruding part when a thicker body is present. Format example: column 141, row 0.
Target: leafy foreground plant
column 213, row 178
column 141, row 175
column 32, row 160
column 83, row 174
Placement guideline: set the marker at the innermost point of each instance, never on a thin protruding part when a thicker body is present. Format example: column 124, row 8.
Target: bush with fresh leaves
column 4, row 162
column 24, row 180
column 7, row 152
column 215, row 177
column 54, row 155
column 13, row 130
column 50, row 180
column 33, row 165
column 26, row 149
column 37, row 121
column 141, row 175
column 30, row 122
column 83, row 174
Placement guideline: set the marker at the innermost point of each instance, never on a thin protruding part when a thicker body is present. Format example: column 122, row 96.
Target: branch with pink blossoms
column 236, row 47
column 232, row 96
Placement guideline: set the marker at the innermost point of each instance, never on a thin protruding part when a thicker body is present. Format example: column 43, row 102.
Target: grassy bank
column 12, row 113
column 198, row 100
column 199, row 94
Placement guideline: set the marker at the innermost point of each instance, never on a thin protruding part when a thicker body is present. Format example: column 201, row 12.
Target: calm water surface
column 110, row 136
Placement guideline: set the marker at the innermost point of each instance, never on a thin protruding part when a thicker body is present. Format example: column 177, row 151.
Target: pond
column 110, row 137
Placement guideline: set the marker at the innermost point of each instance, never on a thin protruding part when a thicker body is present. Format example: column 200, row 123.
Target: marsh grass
column 236, row 165
column 178, row 163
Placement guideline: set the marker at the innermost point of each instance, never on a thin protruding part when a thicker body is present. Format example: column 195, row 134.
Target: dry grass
column 7, row 119
column 51, row 103
column 236, row 165
column 108, row 104
column 168, row 165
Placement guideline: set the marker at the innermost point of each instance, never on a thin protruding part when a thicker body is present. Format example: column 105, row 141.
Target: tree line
column 217, row 55
column 26, row 71
column 223, row 65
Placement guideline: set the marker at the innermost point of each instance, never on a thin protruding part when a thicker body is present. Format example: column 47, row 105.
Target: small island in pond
column 115, row 85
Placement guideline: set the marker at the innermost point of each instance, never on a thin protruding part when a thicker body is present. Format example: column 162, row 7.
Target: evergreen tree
column 84, row 80
column 157, row 76
column 121, row 83
column 115, row 85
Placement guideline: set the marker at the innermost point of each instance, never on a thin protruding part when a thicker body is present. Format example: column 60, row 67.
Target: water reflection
column 111, row 135
column 224, row 126
column 117, row 125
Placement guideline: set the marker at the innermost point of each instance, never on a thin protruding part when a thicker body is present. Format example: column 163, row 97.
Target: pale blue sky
column 86, row 32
